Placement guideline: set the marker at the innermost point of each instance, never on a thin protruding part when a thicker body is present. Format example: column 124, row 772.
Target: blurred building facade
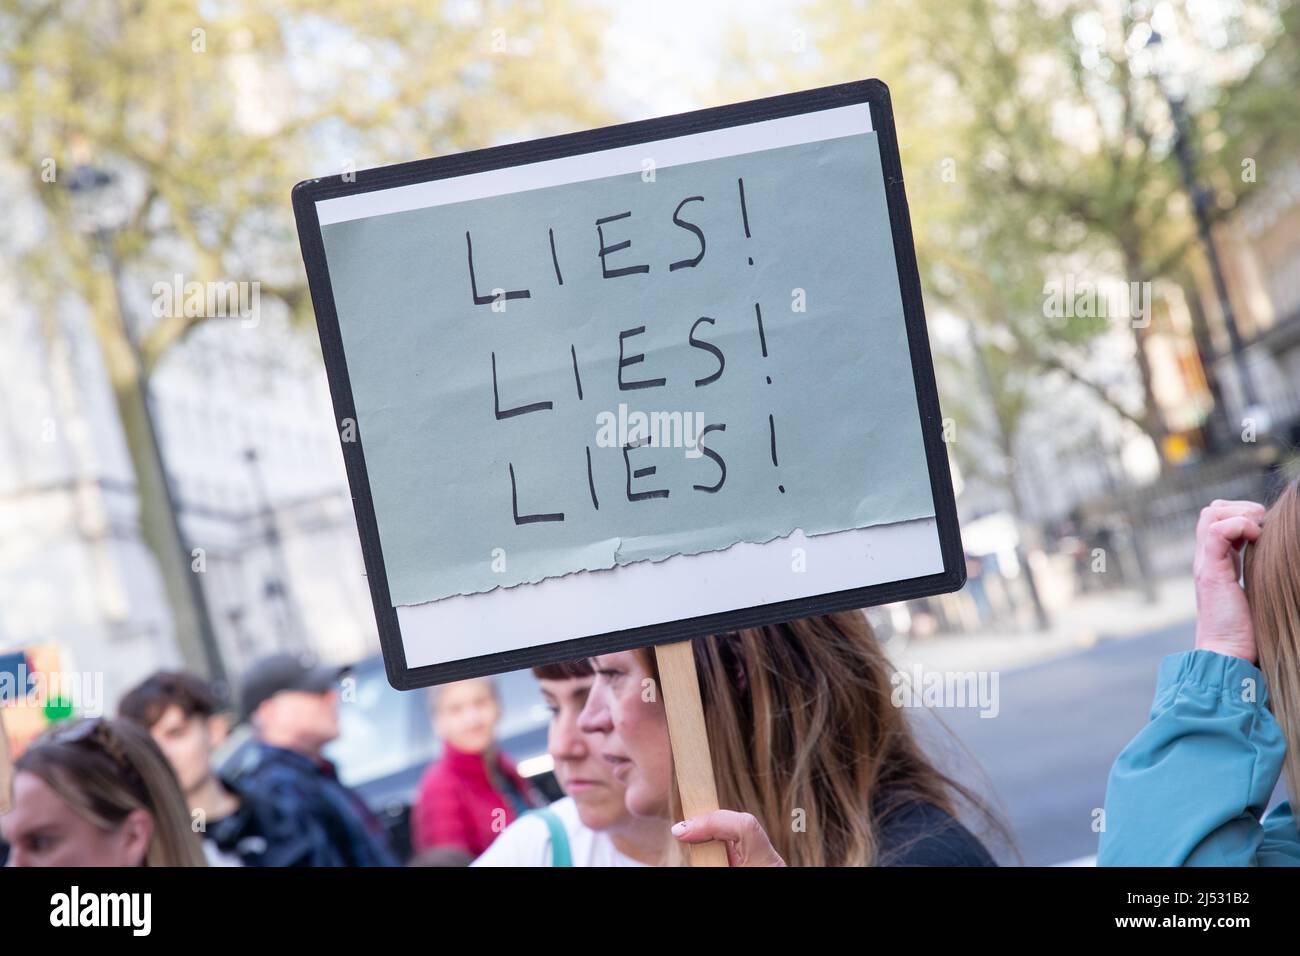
column 1260, row 246
column 245, row 424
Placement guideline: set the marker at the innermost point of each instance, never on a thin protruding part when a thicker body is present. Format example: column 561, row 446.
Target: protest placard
column 633, row 385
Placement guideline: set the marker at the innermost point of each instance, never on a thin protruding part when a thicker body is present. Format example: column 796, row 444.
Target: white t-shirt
column 218, row 857
column 527, row 842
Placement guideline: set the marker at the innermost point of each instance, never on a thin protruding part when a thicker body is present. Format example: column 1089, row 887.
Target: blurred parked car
column 387, row 741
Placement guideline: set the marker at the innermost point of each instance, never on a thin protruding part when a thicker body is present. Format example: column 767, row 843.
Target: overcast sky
column 662, row 52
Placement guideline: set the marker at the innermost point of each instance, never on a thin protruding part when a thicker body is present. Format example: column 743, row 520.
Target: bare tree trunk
column 159, row 525
column 1154, row 421
column 1006, row 444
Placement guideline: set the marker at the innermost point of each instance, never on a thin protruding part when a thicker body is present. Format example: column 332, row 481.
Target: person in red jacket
column 473, row 791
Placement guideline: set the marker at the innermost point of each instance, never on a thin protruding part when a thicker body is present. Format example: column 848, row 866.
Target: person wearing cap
column 291, row 704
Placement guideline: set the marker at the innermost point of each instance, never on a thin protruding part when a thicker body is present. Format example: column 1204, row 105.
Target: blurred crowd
column 166, row 782
column 173, row 780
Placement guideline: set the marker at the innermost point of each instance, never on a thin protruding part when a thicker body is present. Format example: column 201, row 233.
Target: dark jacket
column 921, row 834
column 242, row 834
column 306, row 816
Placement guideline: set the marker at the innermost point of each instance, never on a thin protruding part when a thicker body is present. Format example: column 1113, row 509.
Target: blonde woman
column 1192, row 787
column 98, row 792
column 814, row 764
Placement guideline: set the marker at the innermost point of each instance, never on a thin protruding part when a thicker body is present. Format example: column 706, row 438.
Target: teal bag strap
column 560, row 855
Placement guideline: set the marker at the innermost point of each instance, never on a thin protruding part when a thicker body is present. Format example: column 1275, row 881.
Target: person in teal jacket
column 1192, row 787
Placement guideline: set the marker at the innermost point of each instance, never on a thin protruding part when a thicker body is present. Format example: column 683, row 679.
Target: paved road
column 1060, row 725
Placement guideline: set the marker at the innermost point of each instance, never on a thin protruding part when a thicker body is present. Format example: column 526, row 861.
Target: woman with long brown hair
column 98, row 792
column 1193, row 786
column 814, row 764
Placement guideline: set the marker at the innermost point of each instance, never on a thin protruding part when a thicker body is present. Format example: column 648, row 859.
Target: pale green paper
column 418, row 352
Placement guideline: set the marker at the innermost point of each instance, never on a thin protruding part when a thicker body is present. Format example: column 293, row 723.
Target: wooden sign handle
column 680, row 687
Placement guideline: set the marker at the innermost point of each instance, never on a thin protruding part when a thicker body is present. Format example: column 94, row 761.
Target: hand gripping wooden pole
column 680, row 687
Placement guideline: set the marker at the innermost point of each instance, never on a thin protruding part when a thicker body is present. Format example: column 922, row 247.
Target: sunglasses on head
column 97, row 733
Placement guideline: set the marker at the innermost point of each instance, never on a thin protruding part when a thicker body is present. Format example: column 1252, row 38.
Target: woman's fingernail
column 680, row 828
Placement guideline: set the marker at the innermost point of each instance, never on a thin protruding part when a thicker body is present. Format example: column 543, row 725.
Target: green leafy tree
column 1055, row 131
column 205, row 115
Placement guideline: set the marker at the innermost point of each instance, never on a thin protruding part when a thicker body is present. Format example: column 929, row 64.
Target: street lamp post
column 1202, row 198
column 278, row 584
column 194, row 631
column 1042, row 620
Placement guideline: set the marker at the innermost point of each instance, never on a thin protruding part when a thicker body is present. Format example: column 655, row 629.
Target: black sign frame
column 872, row 92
